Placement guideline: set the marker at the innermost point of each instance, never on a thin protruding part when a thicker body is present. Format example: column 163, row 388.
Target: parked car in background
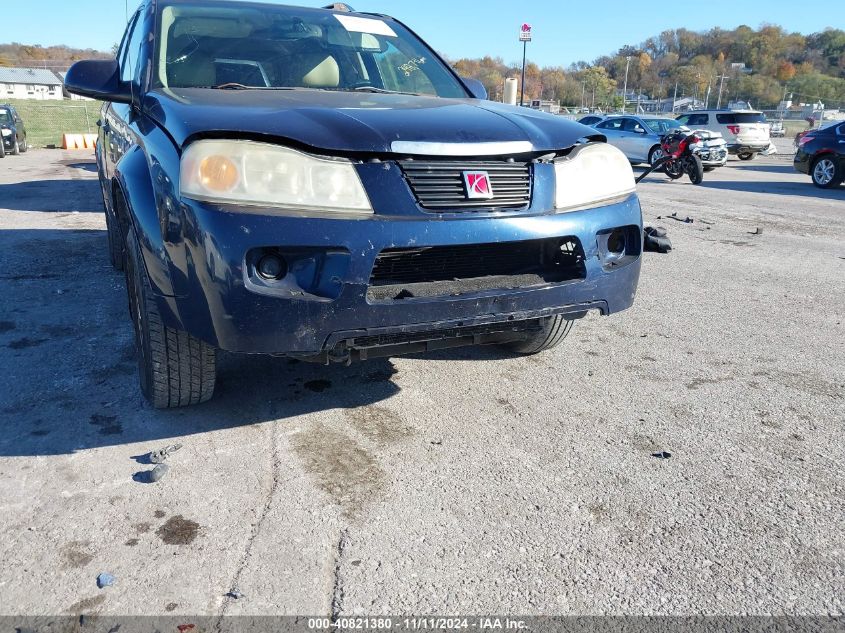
column 639, row 138
column 746, row 132
column 778, row 130
column 12, row 132
column 821, row 154
column 320, row 184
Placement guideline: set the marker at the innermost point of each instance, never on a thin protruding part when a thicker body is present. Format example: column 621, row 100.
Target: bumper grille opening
column 490, row 331
column 439, row 185
column 405, row 273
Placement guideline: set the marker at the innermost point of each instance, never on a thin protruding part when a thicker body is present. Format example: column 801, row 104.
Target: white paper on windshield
column 365, row 25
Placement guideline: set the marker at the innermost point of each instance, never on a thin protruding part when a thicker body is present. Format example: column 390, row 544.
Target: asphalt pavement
column 683, row 457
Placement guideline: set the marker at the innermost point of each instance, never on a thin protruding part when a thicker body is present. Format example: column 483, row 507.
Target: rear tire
column 554, row 330
column 2, row 149
column 747, row 156
column 826, row 173
column 673, row 169
column 176, row 369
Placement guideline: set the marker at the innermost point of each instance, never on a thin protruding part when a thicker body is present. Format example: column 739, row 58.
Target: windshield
column 5, row 116
column 237, row 46
column 661, row 126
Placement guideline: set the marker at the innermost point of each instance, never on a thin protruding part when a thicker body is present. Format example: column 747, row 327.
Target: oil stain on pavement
column 340, row 467
column 178, row 531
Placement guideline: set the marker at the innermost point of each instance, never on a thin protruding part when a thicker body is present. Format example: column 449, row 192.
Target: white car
column 746, row 132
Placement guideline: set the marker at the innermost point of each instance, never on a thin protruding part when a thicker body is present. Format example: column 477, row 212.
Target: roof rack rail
column 339, row 6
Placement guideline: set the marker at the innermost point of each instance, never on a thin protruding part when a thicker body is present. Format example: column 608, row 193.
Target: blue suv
column 320, row 184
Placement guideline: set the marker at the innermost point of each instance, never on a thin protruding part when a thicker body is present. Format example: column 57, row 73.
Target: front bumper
column 713, row 157
column 9, row 142
column 218, row 303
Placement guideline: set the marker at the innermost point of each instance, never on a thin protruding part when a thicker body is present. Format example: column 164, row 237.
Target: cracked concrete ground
column 458, row 482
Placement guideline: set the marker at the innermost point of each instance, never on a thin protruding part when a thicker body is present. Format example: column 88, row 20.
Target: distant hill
column 56, row 58
column 758, row 65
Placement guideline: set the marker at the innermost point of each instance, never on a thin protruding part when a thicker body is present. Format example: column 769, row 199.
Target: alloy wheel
column 824, row 171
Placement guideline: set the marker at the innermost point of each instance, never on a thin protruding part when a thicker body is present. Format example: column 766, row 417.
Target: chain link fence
column 47, row 121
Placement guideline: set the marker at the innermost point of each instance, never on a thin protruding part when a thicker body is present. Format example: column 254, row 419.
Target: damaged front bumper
column 401, row 282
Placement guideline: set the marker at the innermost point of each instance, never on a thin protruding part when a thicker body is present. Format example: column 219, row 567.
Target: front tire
column 117, row 256
column 695, row 170
column 747, row 156
column 16, row 150
column 24, row 146
column 825, row 173
column 2, row 149
column 655, row 154
column 176, row 369
column 554, row 330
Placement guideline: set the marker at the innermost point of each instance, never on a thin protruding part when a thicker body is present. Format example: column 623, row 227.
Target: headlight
column 592, row 174
column 6, row 132
column 260, row 174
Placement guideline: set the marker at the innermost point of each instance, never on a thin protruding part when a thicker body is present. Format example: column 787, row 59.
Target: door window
column 610, row 124
column 632, row 125
column 129, row 61
column 694, row 120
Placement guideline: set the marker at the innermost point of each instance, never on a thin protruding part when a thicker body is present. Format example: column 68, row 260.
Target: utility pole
column 625, row 89
column 721, row 85
column 584, row 93
column 675, row 98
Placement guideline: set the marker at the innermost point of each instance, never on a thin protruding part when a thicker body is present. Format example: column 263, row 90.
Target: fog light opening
column 271, row 267
column 616, row 242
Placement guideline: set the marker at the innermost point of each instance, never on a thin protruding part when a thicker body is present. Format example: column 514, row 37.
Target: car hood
column 356, row 123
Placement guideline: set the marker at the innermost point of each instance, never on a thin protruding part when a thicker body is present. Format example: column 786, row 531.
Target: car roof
column 336, row 7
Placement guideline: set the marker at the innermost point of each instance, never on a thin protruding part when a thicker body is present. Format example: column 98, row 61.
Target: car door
column 115, row 119
column 612, row 129
column 20, row 128
column 637, row 140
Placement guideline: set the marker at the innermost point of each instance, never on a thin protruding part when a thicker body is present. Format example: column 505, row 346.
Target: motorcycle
column 679, row 157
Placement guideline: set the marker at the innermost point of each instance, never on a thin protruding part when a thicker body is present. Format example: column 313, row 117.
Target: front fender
column 133, row 176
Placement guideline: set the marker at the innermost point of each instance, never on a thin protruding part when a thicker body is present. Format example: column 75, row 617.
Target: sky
column 459, row 28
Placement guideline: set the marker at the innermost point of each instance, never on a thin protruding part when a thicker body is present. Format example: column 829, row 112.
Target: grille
column 439, row 185
column 554, row 259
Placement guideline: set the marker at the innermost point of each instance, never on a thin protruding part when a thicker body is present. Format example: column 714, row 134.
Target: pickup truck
column 320, row 184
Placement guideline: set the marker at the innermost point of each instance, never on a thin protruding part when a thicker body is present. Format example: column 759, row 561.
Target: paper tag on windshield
column 365, row 25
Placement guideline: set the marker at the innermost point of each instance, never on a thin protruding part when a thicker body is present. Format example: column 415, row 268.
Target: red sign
column 525, row 33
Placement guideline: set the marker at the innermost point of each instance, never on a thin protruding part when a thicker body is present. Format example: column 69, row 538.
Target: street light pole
column 522, row 83
column 721, row 85
column 625, row 89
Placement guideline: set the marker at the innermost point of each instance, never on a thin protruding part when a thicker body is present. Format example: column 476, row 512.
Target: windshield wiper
column 383, row 91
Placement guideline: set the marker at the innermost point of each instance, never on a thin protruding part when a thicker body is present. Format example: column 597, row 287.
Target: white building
column 29, row 83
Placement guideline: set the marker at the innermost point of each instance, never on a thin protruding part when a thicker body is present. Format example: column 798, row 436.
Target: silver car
column 639, row 138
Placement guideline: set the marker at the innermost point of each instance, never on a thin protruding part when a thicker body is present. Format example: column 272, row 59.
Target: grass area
column 46, row 121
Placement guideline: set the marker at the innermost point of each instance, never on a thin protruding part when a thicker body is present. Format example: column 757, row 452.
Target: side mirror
column 98, row 79
column 476, row 88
